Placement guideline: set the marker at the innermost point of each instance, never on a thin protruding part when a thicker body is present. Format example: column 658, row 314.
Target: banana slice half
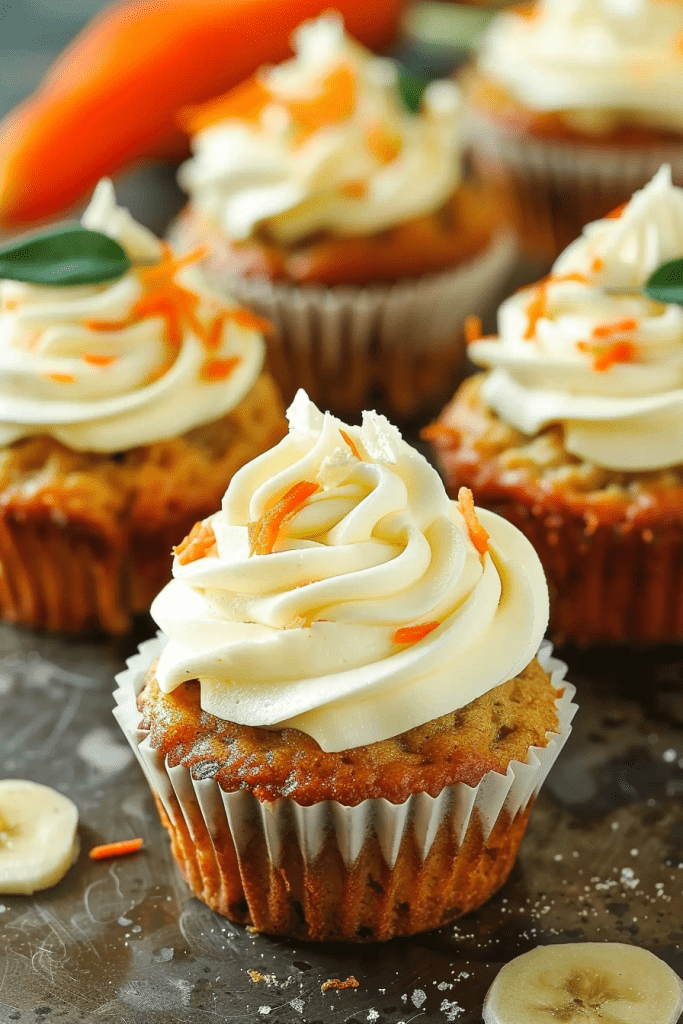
column 38, row 842
column 585, row 983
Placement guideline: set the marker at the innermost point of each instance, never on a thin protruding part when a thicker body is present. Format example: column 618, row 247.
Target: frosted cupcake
column 339, row 214
column 575, row 433
column 126, row 404
column 344, row 722
column 574, row 104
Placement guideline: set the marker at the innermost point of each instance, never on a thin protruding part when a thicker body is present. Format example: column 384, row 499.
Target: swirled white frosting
column 600, row 63
column 626, row 417
column 304, row 636
column 109, row 390
column 246, row 174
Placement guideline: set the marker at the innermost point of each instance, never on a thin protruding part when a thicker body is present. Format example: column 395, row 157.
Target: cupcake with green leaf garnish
column 129, row 395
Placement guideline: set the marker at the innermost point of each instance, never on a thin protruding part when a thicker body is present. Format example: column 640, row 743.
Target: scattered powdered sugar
column 418, row 997
column 452, row 1009
column 297, row 1004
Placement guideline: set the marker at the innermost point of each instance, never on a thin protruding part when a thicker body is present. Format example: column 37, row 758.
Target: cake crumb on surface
column 337, row 983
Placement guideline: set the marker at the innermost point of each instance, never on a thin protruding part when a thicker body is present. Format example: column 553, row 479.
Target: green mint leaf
column 666, row 284
column 410, row 89
column 65, row 255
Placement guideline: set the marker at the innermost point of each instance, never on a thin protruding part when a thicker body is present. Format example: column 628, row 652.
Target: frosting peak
column 323, row 143
column 341, row 592
column 583, row 350
column 110, row 366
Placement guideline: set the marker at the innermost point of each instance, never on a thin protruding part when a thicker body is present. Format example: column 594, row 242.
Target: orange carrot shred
column 536, row 310
column 472, row 328
column 264, row 533
column 97, row 359
column 617, row 327
column 478, row 534
column 245, row 318
column 440, row 432
column 597, row 264
column 384, row 145
column 107, row 325
column 199, row 540
column 619, row 352
column 616, row 212
column 218, row 369
column 333, row 102
column 119, row 849
column 354, row 189
column 61, row 378
column 413, row 634
column 351, row 444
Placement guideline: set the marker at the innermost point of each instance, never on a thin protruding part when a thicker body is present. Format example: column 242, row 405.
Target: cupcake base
column 86, row 539
column 328, row 871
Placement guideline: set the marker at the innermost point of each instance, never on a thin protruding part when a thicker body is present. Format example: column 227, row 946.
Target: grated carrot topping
column 616, row 212
column 218, row 369
column 61, row 378
column 119, row 849
column 536, row 310
column 597, row 265
column 250, row 321
column 97, row 359
column 478, row 534
column 472, row 328
column 199, row 540
column 619, row 352
column 243, row 103
column 11, row 304
column 264, row 533
column 351, row 444
column 214, row 335
column 616, row 327
column 440, row 431
column 354, row 189
column 333, row 101
column 413, row 634
column 384, row 145
column 107, row 325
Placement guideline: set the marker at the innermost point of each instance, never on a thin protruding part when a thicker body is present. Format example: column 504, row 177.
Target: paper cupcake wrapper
column 241, row 812
column 553, row 188
column 395, row 346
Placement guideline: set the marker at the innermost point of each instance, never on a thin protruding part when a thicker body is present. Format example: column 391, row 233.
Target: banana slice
column 585, row 983
column 38, row 841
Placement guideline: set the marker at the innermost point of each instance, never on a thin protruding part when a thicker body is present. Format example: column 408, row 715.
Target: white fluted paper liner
column 278, row 821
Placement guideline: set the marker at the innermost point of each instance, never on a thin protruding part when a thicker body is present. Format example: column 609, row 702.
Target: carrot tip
column 119, row 849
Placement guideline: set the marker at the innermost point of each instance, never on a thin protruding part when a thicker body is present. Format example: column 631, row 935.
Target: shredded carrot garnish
column 536, row 310
column 218, row 369
column 617, row 327
column 597, row 265
column 384, row 145
column 199, row 540
column 107, row 325
column 61, row 378
column 620, row 352
column 478, row 534
column 351, row 444
column 11, row 304
column 472, row 329
column 214, row 335
column 250, row 321
column 119, row 849
column 264, row 533
column 354, row 189
column 333, row 102
column 616, row 212
column 244, row 103
column 413, row 634
column 439, row 432
column 96, row 359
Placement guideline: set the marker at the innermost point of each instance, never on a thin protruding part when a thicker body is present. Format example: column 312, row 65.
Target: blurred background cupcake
column 331, row 208
column 575, row 433
column 572, row 106
column 128, row 398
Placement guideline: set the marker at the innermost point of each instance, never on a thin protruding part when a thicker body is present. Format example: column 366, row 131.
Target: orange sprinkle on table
column 264, row 533
column 120, row 849
column 384, row 145
column 413, row 634
column 218, row 369
column 472, row 329
column 354, row 189
column 351, row 444
column 61, row 378
column 478, row 534
column 97, row 359
column 616, row 327
column 198, row 542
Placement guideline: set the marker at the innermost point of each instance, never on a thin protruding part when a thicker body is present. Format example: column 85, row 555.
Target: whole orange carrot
column 111, row 97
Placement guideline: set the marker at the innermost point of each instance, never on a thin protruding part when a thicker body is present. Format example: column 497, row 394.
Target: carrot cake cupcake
column 129, row 395
column 344, row 722
column 573, row 105
column 342, row 216
column 575, row 432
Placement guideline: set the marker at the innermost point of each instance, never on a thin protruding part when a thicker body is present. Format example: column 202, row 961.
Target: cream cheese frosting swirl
column 313, row 634
column 599, row 63
column 102, row 368
column 327, row 146
column 584, row 350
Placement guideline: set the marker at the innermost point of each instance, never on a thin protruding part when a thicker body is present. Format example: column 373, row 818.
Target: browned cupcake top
column 462, row 746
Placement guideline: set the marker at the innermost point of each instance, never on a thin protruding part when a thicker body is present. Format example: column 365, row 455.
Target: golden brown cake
column 343, row 723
